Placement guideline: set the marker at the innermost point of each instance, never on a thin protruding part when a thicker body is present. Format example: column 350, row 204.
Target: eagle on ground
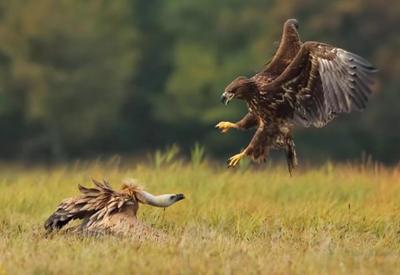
column 305, row 84
column 105, row 210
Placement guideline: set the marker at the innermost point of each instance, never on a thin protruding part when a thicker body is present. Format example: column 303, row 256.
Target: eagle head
column 240, row 88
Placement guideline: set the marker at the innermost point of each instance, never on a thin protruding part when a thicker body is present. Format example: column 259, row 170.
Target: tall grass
column 336, row 219
column 197, row 154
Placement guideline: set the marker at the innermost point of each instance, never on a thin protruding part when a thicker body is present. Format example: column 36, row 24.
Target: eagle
column 103, row 209
column 305, row 84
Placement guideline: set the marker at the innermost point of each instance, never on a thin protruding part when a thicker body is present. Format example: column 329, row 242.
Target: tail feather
column 57, row 220
column 68, row 210
column 291, row 156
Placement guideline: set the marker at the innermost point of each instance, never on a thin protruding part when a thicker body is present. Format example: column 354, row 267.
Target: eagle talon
column 234, row 160
column 224, row 126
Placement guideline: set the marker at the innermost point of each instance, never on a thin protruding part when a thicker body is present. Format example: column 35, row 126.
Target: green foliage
column 165, row 157
column 78, row 78
column 197, row 154
column 69, row 67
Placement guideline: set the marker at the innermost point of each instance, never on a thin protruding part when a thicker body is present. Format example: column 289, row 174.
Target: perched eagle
column 104, row 210
column 305, row 84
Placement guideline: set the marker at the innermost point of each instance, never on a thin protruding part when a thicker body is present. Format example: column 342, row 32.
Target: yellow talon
column 224, row 126
column 234, row 160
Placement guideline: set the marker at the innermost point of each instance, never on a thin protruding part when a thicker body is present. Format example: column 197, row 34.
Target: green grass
column 325, row 220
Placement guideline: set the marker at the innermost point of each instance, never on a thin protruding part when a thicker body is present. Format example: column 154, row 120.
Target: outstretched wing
column 288, row 48
column 94, row 204
column 322, row 82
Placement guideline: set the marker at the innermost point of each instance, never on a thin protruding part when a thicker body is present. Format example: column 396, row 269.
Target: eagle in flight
column 305, row 84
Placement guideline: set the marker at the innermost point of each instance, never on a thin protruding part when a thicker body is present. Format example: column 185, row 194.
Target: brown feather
column 305, row 84
column 288, row 47
column 96, row 206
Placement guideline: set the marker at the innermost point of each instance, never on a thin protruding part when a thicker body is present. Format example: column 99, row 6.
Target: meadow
column 330, row 219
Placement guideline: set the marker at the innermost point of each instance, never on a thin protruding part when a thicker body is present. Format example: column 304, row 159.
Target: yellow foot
column 224, row 126
column 234, row 160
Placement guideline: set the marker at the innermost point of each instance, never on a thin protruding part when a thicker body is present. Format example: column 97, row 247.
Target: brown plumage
column 306, row 84
column 103, row 209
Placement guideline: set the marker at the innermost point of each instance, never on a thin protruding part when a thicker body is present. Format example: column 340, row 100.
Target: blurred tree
column 138, row 130
column 69, row 67
column 79, row 78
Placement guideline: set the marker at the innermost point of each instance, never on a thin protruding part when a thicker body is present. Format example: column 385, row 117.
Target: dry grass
column 327, row 220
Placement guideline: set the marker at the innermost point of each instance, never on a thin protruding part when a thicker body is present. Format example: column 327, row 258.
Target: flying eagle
column 104, row 210
column 305, row 84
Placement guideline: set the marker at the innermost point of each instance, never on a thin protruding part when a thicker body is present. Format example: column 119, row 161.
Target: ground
column 330, row 219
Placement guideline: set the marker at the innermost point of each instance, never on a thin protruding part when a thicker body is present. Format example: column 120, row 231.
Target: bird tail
column 85, row 205
column 58, row 219
column 291, row 156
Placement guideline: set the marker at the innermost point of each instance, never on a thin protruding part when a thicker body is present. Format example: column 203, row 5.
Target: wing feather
column 94, row 204
column 343, row 83
column 288, row 48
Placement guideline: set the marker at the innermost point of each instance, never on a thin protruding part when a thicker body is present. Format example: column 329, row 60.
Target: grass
column 334, row 219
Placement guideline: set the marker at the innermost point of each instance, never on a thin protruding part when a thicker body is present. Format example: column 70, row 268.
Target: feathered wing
column 322, row 82
column 288, row 48
column 93, row 204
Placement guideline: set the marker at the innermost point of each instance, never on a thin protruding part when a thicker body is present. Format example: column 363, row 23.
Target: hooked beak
column 226, row 97
column 180, row 197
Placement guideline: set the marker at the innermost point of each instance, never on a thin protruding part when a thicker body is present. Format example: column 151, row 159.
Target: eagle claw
column 224, row 126
column 234, row 160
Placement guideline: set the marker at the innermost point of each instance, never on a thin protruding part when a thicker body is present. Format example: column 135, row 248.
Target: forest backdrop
column 98, row 77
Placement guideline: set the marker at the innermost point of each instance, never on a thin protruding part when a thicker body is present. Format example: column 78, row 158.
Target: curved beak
column 226, row 97
column 180, row 197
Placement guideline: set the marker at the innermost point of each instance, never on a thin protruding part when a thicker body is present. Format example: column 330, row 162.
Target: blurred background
column 82, row 79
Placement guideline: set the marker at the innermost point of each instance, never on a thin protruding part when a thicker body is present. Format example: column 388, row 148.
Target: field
column 331, row 219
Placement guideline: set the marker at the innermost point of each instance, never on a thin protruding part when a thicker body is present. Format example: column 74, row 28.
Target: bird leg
column 234, row 160
column 291, row 156
column 247, row 122
column 259, row 140
column 224, row 126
